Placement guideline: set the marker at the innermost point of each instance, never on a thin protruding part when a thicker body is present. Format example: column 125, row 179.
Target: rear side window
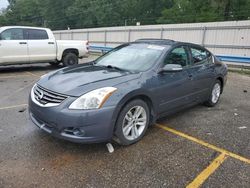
column 36, row 34
column 12, row 34
column 177, row 56
column 199, row 56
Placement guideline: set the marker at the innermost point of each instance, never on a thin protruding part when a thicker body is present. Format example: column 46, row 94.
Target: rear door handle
column 22, row 42
column 51, row 43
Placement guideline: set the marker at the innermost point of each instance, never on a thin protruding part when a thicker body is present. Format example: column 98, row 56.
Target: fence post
column 105, row 38
column 203, row 35
column 129, row 35
column 87, row 35
column 162, row 33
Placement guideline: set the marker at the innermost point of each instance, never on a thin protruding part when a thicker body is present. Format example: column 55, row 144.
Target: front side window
column 36, row 34
column 177, row 56
column 12, row 34
column 199, row 56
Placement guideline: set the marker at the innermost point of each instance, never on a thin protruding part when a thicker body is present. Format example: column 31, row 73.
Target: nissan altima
column 119, row 95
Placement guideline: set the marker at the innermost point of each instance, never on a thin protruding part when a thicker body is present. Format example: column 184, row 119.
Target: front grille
column 44, row 96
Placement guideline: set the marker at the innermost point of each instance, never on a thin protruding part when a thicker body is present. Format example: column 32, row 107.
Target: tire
column 70, row 59
column 132, row 126
column 214, row 95
column 54, row 64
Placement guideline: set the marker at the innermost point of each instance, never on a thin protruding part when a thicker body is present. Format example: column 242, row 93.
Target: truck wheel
column 70, row 59
column 54, row 63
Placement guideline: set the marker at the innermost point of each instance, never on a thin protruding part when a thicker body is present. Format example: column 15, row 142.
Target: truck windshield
column 133, row 57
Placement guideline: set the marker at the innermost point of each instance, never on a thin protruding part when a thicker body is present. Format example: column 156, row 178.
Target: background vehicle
column 123, row 92
column 19, row 45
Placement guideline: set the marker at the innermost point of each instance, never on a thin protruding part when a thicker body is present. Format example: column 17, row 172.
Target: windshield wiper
column 114, row 67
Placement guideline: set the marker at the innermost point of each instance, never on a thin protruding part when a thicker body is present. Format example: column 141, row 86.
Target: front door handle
column 22, row 42
column 51, row 43
column 190, row 77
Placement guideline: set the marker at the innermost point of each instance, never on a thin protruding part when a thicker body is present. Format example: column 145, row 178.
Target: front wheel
column 70, row 59
column 132, row 122
column 214, row 95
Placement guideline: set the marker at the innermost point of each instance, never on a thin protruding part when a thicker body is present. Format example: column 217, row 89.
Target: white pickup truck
column 21, row 45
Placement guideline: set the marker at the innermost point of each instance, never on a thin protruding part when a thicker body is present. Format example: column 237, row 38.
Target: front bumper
column 94, row 125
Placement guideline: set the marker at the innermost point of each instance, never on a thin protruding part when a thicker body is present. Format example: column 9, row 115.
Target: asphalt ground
column 200, row 146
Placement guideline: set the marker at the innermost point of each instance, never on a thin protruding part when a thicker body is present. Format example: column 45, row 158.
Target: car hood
column 77, row 80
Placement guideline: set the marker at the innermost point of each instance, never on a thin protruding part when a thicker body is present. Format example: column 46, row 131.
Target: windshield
column 133, row 57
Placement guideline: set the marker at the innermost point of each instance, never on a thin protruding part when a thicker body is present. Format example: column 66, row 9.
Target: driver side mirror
column 171, row 68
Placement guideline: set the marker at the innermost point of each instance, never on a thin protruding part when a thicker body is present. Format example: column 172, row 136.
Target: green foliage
column 23, row 12
column 184, row 11
column 61, row 14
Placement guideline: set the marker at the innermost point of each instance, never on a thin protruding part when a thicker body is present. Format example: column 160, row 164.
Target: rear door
column 40, row 46
column 13, row 46
column 202, row 72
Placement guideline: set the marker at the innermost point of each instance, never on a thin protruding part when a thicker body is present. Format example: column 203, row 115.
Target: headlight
column 93, row 100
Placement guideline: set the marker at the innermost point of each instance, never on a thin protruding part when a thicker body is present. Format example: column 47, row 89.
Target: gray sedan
column 119, row 95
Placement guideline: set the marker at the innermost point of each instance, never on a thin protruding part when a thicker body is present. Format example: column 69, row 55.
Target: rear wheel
column 70, row 59
column 132, row 122
column 214, row 95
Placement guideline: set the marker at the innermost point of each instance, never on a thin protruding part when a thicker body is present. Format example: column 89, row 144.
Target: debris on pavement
column 243, row 127
column 22, row 110
column 110, row 147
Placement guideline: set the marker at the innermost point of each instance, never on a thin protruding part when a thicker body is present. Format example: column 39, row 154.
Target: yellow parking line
column 201, row 178
column 201, row 142
column 9, row 107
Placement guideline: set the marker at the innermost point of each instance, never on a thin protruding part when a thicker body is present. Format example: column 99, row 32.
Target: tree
column 54, row 13
column 61, row 14
column 184, row 11
column 23, row 12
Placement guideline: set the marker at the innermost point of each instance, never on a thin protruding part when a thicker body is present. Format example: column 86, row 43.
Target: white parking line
column 15, row 106
column 20, row 89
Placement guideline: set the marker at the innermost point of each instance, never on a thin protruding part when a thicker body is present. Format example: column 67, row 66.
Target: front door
column 13, row 46
column 174, row 88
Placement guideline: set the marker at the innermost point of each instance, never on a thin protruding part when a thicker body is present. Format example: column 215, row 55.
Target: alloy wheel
column 134, row 123
column 216, row 93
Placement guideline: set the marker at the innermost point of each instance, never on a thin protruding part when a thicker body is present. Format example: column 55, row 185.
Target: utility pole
column 125, row 22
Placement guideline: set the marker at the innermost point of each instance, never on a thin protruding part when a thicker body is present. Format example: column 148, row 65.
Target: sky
column 3, row 4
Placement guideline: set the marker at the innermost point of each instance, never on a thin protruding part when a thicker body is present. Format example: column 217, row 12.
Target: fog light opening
column 78, row 132
column 75, row 131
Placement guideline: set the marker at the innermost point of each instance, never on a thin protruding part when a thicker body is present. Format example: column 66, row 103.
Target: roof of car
column 156, row 41
column 165, row 42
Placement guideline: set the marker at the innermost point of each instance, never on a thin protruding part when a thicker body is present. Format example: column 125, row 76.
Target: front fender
column 139, row 94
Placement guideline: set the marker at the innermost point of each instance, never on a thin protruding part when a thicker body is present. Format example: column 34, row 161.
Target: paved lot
column 207, row 146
